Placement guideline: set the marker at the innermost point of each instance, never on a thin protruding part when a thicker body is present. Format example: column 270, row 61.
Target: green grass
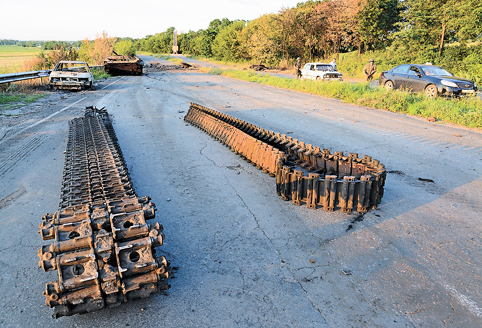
column 465, row 111
column 10, row 100
column 166, row 57
column 12, row 57
column 99, row 74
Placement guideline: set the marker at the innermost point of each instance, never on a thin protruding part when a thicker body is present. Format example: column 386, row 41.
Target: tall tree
column 374, row 22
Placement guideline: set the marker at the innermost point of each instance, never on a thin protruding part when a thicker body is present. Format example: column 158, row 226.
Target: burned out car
column 72, row 75
column 320, row 71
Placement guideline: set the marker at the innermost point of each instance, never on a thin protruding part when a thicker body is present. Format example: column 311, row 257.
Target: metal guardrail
column 15, row 77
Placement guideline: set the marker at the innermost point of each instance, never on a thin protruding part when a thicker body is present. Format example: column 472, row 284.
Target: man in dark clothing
column 298, row 68
column 370, row 70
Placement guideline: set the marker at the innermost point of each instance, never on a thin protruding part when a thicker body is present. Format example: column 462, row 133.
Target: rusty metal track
column 103, row 247
column 304, row 173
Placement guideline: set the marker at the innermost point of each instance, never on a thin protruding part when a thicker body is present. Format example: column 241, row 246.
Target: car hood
column 455, row 79
column 70, row 74
column 331, row 72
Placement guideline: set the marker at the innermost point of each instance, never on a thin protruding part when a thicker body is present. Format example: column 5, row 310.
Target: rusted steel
column 304, row 173
column 123, row 65
column 103, row 246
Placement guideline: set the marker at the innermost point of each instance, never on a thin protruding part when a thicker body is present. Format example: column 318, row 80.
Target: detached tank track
column 304, row 173
column 103, row 249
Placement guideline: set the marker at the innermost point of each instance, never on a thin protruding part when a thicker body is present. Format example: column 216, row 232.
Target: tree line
column 323, row 29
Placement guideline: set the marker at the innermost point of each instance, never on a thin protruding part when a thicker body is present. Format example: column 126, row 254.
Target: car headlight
column 449, row 84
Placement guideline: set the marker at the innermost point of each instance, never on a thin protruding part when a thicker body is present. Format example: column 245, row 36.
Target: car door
column 399, row 74
column 312, row 72
column 306, row 72
column 414, row 80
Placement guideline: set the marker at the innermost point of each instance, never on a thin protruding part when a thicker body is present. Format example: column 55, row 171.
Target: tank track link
column 304, row 173
column 103, row 248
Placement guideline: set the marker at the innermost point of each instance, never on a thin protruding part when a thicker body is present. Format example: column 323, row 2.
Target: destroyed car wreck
column 72, row 75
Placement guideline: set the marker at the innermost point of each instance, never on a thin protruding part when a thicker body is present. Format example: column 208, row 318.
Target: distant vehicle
column 432, row 80
column 73, row 75
column 320, row 71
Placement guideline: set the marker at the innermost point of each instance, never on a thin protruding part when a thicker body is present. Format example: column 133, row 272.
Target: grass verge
column 167, row 57
column 9, row 100
column 463, row 111
column 99, row 74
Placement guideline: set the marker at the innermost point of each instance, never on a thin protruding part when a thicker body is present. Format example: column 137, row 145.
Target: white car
column 320, row 71
column 74, row 75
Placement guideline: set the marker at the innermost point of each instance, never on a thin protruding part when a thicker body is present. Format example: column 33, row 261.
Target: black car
column 432, row 80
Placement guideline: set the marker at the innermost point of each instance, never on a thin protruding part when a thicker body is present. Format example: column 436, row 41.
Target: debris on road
column 103, row 248
column 258, row 67
column 154, row 66
column 304, row 173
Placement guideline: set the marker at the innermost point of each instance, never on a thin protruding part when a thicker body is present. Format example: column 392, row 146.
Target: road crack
column 293, row 276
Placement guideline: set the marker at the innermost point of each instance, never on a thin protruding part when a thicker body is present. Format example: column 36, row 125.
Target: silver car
column 74, row 75
column 320, row 71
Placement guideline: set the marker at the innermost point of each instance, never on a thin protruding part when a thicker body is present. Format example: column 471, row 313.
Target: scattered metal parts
column 304, row 173
column 346, row 272
column 123, row 65
column 103, row 247
column 259, row 67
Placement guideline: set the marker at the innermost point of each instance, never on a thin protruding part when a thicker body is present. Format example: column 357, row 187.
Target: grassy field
column 464, row 111
column 12, row 57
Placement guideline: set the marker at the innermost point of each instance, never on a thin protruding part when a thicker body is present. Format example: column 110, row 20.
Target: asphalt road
column 245, row 258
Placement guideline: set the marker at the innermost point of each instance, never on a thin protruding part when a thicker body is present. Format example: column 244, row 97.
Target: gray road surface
column 245, row 257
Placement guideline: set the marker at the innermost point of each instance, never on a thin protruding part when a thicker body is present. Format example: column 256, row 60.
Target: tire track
column 20, row 154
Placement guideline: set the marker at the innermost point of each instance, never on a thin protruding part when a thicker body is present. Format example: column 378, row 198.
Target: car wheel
column 431, row 91
column 318, row 78
column 389, row 85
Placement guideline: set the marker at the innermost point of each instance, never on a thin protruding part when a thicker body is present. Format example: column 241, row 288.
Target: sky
column 72, row 20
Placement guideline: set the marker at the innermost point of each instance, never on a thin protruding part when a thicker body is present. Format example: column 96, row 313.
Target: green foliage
column 391, row 31
column 7, row 42
column 227, row 44
column 375, row 22
column 161, row 43
column 99, row 74
column 125, row 47
column 53, row 45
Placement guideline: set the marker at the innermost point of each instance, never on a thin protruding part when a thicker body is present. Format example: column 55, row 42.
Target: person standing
column 370, row 70
column 333, row 63
column 298, row 68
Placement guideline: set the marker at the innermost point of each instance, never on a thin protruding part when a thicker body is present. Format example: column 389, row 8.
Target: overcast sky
column 76, row 20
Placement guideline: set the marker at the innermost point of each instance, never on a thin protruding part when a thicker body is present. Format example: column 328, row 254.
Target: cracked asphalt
column 244, row 257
